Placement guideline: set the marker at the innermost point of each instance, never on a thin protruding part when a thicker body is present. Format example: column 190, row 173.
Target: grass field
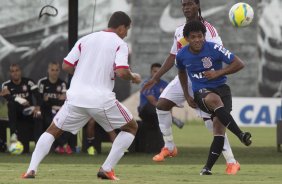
column 260, row 164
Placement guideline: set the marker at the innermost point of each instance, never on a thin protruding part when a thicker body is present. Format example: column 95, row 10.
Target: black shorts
column 223, row 91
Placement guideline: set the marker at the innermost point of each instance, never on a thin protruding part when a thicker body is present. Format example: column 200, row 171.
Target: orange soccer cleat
column 29, row 175
column 165, row 153
column 107, row 175
column 232, row 168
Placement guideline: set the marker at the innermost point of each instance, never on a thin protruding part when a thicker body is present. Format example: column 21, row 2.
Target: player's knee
column 54, row 130
column 213, row 101
column 130, row 127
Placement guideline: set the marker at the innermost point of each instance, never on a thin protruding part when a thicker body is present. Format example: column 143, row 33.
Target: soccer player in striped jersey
column 173, row 94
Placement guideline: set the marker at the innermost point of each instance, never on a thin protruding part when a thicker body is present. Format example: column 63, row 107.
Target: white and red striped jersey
column 95, row 57
column 179, row 41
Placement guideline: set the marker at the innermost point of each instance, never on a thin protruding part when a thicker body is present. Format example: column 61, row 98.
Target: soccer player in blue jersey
column 173, row 96
column 203, row 62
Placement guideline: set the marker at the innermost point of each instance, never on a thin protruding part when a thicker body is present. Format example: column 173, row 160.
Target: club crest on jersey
column 59, row 88
column 207, row 63
column 24, row 88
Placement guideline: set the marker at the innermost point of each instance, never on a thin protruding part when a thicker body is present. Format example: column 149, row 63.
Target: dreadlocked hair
column 200, row 11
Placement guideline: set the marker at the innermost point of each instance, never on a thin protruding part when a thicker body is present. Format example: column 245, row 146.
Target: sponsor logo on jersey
column 207, row 63
column 222, row 50
column 198, row 75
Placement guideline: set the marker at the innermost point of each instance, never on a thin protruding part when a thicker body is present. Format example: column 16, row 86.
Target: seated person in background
column 149, row 99
column 90, row 136
column 52, row 90
column 23, row 113
column 149, row 137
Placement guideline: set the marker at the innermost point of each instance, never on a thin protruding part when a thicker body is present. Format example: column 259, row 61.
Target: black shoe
column 205, row 171
column 246, row 138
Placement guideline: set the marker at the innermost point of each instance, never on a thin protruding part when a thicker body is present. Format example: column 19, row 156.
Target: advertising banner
column 257, row 112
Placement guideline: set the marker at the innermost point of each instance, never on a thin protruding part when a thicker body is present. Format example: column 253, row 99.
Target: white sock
column 42, row 148
column 165, row 122
column 227, row 151
column 121, row 143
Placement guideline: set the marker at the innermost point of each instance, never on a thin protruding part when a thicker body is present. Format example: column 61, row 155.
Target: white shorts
column 72, row 118
column 174, row 93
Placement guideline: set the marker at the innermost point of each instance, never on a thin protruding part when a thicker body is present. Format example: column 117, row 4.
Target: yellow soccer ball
column 241, row 15
column 16, row 148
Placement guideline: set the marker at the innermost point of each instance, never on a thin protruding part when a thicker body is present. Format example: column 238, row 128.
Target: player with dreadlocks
column 173, row 94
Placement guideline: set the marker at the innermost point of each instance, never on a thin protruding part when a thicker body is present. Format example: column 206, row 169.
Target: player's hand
column 36, row 112
column 45, row 98
column 212, row 74
column 149, row 84
column 62, row 96
column 191, row 102
column 136, row 78
column 5, row 92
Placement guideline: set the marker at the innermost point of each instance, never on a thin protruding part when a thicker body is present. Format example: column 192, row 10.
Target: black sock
column 90, row 141
column 215, row 151
column 227, row 120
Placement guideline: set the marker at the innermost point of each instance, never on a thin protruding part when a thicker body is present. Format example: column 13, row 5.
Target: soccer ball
column 16, row 148
column 241, row 14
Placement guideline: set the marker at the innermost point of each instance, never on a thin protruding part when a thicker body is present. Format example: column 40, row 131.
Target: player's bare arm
column 69, row 69
column 236, row 65
column 184, row 81
column 126, row 74
column 167, row 65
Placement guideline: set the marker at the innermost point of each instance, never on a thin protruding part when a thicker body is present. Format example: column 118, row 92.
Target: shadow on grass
column 193, row 155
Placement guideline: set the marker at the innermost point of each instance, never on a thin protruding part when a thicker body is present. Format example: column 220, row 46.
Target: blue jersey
column 155, row 91
column 209, row 58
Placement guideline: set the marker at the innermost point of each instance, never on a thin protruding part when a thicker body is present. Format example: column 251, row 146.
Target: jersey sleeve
column 40, row 87
column 32, row 85
column 73, row 56
column 121, row 60
column 173, row 49
column 212, row 35
column 179, row 62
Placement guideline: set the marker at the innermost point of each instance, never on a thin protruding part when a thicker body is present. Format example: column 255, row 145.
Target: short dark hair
column 119, row 18
column 156, row 65
column 53, row 63
column 15, row 65
column 194, row 26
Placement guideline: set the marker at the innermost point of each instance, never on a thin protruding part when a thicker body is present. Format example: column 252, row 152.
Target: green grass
column 260, row 163
column 3, row 110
